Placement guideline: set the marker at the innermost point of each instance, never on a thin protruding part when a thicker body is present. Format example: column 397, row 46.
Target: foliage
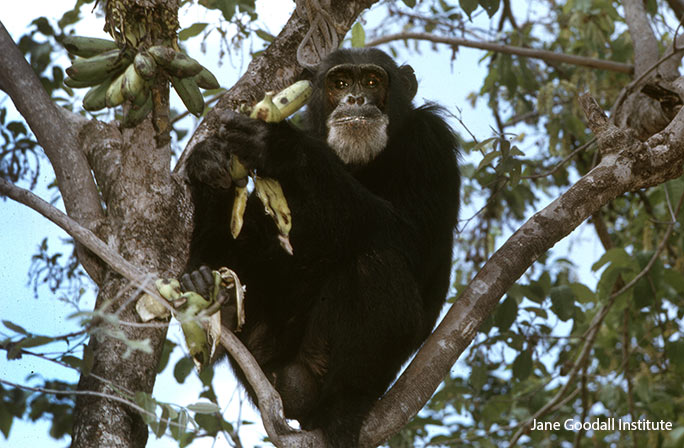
column 526, row 350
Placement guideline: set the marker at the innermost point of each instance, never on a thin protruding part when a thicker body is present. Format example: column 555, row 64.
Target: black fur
column 332, row 324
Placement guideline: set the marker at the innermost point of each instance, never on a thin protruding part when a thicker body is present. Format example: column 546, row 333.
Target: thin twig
column 508, row 49
column 562, row 162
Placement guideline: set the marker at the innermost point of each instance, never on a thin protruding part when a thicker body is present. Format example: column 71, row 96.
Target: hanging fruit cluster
column 115, row 75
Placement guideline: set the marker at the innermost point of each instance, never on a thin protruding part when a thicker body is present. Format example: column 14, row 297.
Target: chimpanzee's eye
column 341, row 84
column 372, row 83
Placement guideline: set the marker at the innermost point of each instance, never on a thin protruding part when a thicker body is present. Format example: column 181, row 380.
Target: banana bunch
column 115, row 75
column 273, row 108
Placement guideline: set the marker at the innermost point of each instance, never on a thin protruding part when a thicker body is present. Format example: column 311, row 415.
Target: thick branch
column 57, row 138
column 645, row 42
column 507, row 49
column 628, row 165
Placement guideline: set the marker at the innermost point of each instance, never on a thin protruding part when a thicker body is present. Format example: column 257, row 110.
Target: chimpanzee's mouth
column 354, row 115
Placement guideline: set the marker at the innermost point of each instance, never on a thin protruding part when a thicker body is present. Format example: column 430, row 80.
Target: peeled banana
column 272, row 197
column 271, row 109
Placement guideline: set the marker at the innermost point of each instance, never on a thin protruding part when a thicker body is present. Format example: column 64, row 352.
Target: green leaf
column 204, row 408
column 268, row 37
column 505, row 313
column 43, row 26
column 6, row 419
column 182, row 369
column 34, row 341
column 468, row 6
column 159, row 427
column 191, row 31
column 675, row 354
column 358, row 36
column 14, row 327
column 562, row 302
column 410, row 3
column 178, row 430
column 211, row 423
column 582, row 292
column 478, row 377
column 617, row 256
column 88, row 360
column 488, row 159
column 165, row 355
column 674, row 279
column 71, row 361
column 149, row 404
column 490, row 6
column 522, row 366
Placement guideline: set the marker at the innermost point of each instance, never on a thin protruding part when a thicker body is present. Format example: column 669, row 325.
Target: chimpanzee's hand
column 208, row 164
column 245, row 137
column 201, row 281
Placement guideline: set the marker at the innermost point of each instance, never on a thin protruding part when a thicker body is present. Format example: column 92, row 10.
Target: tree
column 130, row 215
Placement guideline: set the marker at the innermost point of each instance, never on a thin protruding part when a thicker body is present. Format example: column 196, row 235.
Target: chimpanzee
column 373, row 186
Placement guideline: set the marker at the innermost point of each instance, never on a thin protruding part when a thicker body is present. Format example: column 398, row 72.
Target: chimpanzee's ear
column 410, row 81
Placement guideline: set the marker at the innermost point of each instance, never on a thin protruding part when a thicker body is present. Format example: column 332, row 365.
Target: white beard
column 359, row 140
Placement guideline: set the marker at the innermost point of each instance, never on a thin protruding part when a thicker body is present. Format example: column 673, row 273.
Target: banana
column 292, row 98
column 174, row 62
column 239, row 206
column 206, row 80
column 94, row 99
column 98, row 68
column 170, row 288
column 114, row 95
column 161, row 54
column 190, row 94
column 183, row 66
column 132, row 84
column 266, row 110
column 196, row 340
column 145, row 65
column 71, row 82
column 87, row 47
column 238, row 172
column 136, row 114
column 271, row 195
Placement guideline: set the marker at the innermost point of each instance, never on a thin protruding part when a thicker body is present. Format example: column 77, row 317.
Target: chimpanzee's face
column 355, row 104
